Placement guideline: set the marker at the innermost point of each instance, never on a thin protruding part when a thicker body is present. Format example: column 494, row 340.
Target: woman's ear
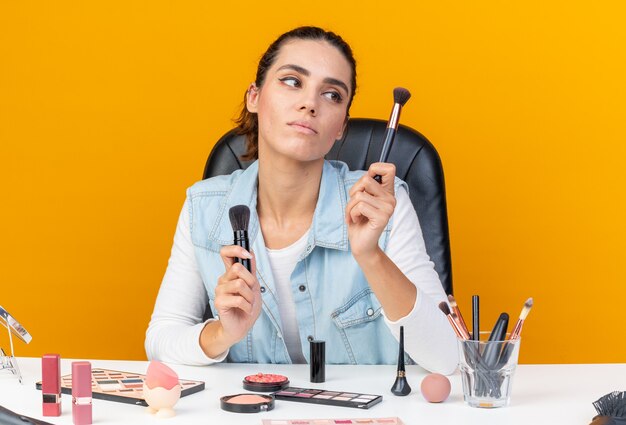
column 343, row 128
column 252, row 98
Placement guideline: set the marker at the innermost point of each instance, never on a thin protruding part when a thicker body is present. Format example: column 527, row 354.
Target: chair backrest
column 417, row 163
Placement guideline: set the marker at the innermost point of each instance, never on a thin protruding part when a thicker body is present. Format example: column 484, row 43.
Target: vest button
column 262, row 288
column 309, row 338
column 302, row 288
column 370, row 312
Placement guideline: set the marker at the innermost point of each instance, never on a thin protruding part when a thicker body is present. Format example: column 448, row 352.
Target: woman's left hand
column 370, row 208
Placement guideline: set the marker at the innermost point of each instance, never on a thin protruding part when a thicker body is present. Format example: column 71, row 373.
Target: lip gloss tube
column 81, row 393
column 51, row 384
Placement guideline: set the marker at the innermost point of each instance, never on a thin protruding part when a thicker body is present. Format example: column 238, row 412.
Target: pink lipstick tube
column 81, row 393
column 51, row 384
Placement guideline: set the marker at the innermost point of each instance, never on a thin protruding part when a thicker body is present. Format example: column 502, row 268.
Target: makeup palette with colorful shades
column 356, row 421
column 333, row 398
column 265, row 382
column 123, row 387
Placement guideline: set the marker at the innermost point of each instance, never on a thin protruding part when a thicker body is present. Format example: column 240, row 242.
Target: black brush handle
column 7, row 417
column 390, row 135
column 484, row 379
column 492, row 351
column 475, row 318
column 241, row 239
column 509, row 346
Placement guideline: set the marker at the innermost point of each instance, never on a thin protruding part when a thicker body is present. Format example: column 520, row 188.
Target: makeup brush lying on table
column 400, row 97
column 611, row 409
column 8, row 417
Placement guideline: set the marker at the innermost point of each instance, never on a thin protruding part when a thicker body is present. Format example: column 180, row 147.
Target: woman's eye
column 290, row 81
column 334, row 96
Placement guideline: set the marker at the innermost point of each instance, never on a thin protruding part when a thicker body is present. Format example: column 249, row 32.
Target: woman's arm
column 174, row 331
column 403, row 278
column 425, row 322
column 368, row 212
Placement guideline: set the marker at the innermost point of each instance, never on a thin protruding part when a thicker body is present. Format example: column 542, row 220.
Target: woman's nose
column 308, row 101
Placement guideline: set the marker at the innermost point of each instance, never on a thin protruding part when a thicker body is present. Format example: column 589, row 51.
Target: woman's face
column 302, row 105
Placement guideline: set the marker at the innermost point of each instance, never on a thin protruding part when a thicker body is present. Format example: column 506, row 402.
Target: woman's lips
column 302, row 127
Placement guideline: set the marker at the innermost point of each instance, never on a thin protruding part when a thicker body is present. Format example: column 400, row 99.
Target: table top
column 542, row 394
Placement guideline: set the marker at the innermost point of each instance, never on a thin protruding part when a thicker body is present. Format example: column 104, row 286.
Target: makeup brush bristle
column 401, row 95
column 239, row 217
column 527, row 306
column 444, row 307
column 613, row 404
column 452, row 301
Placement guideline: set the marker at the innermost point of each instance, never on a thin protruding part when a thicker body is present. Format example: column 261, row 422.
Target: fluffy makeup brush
column 401, row 386
column 239, row 218
column 400, row 97
column 611, row 409
column 517, row 330
column 455, row 308
column 454, row 321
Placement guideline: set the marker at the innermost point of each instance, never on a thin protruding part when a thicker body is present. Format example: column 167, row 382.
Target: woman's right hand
column 237, row 295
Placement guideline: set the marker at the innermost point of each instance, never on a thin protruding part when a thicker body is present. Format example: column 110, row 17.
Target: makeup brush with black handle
column 400, row 97
column 8, row 417
column 239, row 219
column 611, row 409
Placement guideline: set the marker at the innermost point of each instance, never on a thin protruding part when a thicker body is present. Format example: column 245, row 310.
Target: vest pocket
column 355, row 321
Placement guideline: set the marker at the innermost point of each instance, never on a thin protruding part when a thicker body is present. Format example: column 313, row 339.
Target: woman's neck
column 287, row 196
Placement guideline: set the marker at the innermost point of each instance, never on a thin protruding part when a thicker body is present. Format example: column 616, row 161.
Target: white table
column 542, row 394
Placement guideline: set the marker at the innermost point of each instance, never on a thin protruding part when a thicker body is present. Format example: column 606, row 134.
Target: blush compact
column 247, row 403
column 265, row 382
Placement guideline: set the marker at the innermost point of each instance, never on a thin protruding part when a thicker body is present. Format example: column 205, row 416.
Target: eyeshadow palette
column 334, row 398
column 370, row 421
column 123, row 387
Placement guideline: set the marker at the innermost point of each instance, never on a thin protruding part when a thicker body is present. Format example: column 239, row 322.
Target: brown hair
column 247, row 122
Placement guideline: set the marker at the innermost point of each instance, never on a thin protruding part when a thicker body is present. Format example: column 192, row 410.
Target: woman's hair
column 247, row 122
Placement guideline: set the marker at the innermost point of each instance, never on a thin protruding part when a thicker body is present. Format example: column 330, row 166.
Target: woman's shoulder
column 217, row 185
column 344, row 173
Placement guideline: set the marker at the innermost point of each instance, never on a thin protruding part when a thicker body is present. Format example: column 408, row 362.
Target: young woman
column 335, row 255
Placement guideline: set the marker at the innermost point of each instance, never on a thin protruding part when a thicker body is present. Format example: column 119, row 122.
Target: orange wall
column 109, row 109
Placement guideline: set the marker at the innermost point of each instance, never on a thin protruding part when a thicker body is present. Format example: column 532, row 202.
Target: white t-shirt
column 283, row 262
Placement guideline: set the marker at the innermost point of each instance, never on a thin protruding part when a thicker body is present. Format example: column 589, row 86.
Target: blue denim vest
column 333, row 300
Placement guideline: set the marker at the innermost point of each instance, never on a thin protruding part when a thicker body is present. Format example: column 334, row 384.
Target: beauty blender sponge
column 435, row 388
column 160, row 375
